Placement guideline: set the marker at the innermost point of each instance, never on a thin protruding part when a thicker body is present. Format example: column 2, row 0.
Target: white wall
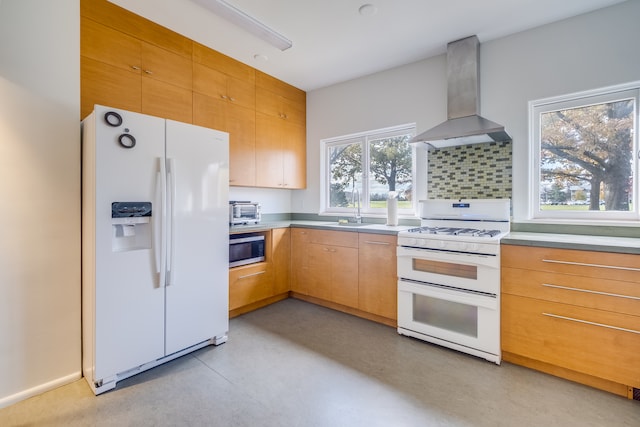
column 272, row 200
column 590, row 51
column 40, row 193
column 408, row 94
column 585, row 52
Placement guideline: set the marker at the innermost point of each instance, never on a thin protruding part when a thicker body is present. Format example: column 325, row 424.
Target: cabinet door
column 344, row 275
column 104, row 84
column 281, row 135
column 294, row 155
column 241, row 125
column 318, row 276
column 109, row 46
column 269, row 148
column 209, row 82
column 239, row 122
column 165, row 66
column 109, row 69
column 241, row 92
column 299, row 260
column 281, row 260
column 166, row 100
column 378, row 290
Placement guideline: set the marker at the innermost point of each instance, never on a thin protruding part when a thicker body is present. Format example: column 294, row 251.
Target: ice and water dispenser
column 131, row 226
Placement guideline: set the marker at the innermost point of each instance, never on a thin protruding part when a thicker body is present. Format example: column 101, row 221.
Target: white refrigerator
column 155, row 238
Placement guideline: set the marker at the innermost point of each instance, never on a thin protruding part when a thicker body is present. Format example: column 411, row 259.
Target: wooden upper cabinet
column 105, row 84
column 280, row 134
column 240, row 123
column 224, row 98
column 115, row 42
column 126, row 22
column 161, row 64
column 132, row 63
column 109, row 46
column 218, row 85
column 275, row 99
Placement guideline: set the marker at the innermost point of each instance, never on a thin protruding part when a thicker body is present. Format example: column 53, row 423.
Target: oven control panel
column 450, row 245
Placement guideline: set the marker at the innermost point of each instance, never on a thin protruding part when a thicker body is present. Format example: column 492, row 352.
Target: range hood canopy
column 464, row 125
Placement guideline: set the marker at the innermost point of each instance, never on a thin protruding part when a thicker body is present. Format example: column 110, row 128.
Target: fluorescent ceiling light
column 246, row 22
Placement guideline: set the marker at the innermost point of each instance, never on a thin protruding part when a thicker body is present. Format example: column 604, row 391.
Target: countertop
column 627, row 245
column 322, row 225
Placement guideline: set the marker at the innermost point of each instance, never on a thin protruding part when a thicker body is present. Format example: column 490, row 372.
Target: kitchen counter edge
column 626, row 245
column 322, row 225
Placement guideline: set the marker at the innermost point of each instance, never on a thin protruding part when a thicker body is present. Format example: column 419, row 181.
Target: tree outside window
column 586, row 162
column 367, row 167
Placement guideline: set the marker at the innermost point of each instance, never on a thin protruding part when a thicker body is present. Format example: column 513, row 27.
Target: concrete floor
column 297, row 364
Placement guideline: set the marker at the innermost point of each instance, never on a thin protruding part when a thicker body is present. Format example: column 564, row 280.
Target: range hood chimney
column 464, row 125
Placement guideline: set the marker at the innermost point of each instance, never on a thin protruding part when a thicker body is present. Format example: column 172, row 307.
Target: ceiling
column 333, row 42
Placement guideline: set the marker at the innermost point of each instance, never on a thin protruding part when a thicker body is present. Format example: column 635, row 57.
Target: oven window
column 446, row 268
column 448, row 315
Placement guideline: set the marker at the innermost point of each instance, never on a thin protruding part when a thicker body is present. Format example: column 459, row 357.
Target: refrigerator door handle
column 171, row 215
column 160, row 243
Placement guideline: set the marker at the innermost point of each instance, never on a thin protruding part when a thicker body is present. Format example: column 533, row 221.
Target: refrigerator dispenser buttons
column 130, row 209
column 131, row 226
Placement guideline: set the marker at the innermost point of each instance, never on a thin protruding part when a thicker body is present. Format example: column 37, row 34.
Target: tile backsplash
column 478, row 171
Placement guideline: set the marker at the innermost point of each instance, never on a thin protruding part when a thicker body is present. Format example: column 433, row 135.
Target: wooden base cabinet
column 325, row 265
column 346, row 271
column 248, row 284
column 575, row 314
column 378, row 277
column 256, row 285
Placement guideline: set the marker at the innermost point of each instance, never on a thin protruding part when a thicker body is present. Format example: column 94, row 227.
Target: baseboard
column 34, row 391
column 578, row 377
column 349, row 310
column 256, row 305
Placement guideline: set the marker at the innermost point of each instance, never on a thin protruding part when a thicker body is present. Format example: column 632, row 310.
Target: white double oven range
column 449, row 275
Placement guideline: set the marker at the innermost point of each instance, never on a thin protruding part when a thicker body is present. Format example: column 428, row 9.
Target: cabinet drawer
column 594, row 342
column 248, row 284
column 602, row 294
column 604, row 265
column 322, row 237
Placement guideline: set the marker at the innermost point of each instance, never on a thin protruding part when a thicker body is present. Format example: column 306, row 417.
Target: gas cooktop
column 455, row 231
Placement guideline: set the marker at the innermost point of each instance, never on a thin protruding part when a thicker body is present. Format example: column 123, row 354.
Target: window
column 583, row 148
column 366, row 168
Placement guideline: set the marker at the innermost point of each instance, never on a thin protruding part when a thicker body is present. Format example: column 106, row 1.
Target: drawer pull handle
column 633, row 331
column 371, row 242
column 548, row 285
column 252, row 274
column 584, row 264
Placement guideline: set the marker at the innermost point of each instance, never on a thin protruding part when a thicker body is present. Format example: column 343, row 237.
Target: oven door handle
column 491, row 261
column 459, row 296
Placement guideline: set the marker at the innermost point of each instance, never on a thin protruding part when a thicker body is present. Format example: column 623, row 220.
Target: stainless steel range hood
column 464, row 125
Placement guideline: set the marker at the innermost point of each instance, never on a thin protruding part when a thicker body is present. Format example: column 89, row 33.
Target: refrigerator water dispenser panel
column 131, row 224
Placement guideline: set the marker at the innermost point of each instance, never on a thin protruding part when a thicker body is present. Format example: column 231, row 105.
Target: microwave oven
column 245, row 248
column 244, row 213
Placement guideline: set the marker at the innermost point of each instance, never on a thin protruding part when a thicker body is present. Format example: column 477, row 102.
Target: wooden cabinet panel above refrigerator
column 135, row 64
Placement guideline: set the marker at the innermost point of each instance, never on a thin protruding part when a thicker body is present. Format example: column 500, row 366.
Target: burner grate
column 455, row 231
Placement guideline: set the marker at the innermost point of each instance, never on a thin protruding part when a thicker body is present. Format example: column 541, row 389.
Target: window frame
column 364, row 138
column 576, row 100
